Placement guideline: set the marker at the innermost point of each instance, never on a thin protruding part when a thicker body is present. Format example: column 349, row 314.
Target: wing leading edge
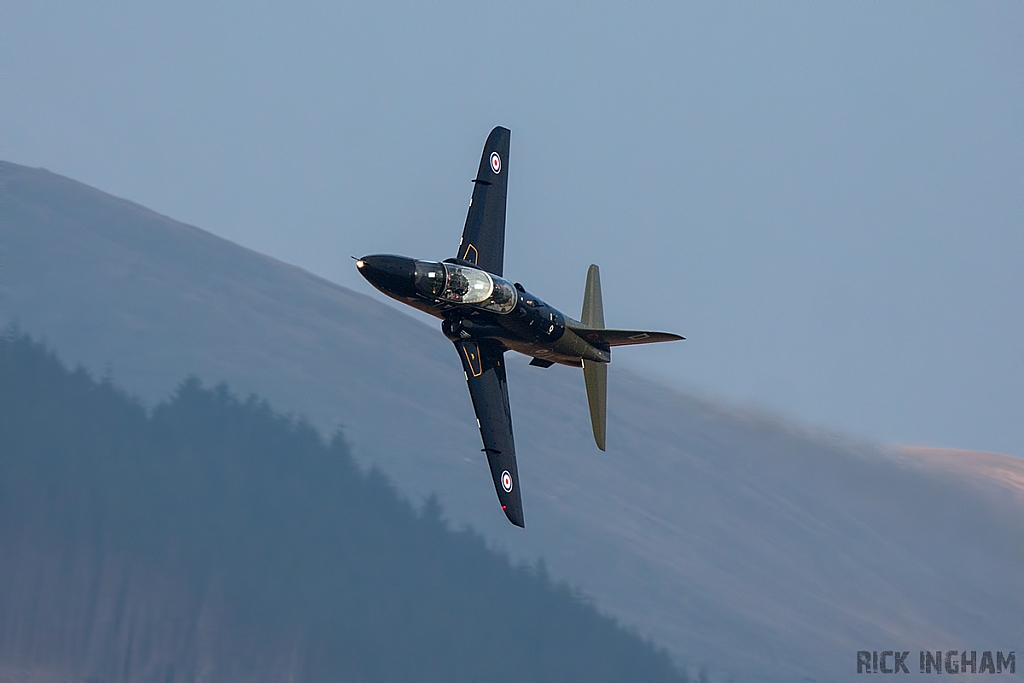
column 484, row 364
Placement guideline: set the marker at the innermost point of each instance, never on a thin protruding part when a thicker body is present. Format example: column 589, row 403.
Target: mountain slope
column 739, row 542
column 268, row 555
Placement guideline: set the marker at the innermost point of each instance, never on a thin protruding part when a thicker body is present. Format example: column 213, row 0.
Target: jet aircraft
column 485, row 315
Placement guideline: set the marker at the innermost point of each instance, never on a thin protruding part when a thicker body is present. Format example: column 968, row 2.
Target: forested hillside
column 212, row 538
column 743, row 543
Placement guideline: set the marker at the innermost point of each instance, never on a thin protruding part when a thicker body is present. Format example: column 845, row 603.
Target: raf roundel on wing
column 495, row 162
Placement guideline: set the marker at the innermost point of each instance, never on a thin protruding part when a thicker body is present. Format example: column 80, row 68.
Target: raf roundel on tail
column 485, row 315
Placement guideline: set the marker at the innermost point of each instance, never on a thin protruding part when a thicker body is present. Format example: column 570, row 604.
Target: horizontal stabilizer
column 593, row 306
column 595, row 376
column 610, row 338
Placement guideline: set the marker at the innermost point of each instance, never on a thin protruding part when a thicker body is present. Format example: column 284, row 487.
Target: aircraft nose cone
column 392, row 275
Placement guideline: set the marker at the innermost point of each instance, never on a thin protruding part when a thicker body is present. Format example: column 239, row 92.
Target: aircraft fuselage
column 474, row 304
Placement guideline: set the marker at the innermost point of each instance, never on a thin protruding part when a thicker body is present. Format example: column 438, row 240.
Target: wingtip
column 514, row 515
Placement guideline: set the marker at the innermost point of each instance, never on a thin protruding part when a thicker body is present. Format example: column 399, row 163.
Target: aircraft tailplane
column 595, row 374
column 596, row 377
column 593, row 307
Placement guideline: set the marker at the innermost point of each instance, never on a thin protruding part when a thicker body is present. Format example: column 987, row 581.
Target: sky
column 826, row 199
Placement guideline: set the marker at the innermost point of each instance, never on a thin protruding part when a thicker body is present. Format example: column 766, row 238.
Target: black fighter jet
column 486, row 315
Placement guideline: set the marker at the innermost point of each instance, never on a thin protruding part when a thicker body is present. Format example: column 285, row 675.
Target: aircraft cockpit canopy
column 503, row 298
column 465, row 285
column 430, row 278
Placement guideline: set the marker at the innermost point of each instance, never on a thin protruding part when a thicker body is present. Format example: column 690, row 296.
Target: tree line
column 298, row 539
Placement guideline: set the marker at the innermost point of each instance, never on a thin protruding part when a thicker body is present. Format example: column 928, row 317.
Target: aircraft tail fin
column 591, row 328
column 605, row 339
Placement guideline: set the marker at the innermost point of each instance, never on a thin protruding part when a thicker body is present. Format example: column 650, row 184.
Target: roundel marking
column 506, row 481
column 495, row 162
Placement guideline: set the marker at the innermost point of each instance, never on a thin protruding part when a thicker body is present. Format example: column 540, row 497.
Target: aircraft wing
column 484, row 364
column 483, row 238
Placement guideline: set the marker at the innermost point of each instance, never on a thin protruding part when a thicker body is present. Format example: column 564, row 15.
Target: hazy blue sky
column 827, row 199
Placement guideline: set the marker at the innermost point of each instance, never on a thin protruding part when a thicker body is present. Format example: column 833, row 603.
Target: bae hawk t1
column 485, row 315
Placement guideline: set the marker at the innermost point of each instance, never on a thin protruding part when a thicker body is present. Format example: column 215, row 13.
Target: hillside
column 739, row 542
column 216, row 539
